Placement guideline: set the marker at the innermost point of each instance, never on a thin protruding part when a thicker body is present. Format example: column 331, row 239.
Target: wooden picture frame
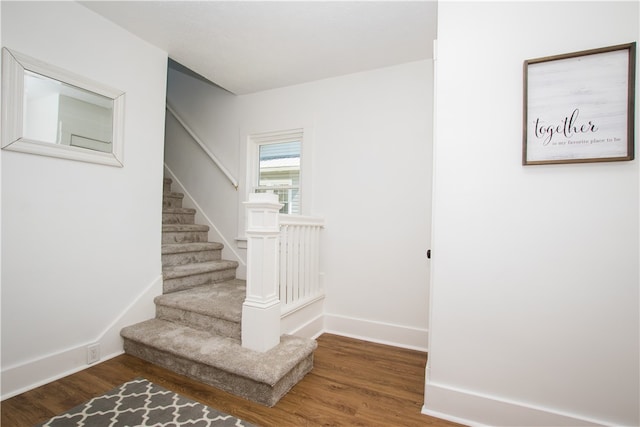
column 579, row 107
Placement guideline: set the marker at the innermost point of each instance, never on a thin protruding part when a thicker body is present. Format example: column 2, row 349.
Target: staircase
column 196, row 331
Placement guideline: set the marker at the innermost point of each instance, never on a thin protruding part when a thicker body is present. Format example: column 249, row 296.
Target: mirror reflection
column 59, row 113
column 50, row 111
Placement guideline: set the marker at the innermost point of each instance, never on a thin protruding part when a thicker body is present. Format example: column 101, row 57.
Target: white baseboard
column 34, row 373
column 228, row 251
column 476, row 410
column 379, row 332
column 307, row 322
column 451, row 418
column 312, row 329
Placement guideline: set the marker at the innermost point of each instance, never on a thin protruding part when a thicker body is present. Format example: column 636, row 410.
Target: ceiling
column 247, row 46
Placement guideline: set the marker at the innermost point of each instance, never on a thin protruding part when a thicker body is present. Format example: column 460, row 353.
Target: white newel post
column 261, row 308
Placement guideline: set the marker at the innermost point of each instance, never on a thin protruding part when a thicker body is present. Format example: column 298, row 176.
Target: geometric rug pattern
column 143, row 403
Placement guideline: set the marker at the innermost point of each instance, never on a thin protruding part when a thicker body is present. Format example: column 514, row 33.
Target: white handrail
column 204, row 147
column 286, row 219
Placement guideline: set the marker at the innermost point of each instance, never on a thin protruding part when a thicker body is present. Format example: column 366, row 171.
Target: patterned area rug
column 143, row 403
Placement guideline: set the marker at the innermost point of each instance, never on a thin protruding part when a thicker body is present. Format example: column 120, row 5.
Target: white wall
column 534, row 313
column 80, row 241
column 212, row 114
column 1, row 44
column 371, row 180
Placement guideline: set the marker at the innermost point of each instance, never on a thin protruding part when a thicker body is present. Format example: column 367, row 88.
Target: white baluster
column 299, row 265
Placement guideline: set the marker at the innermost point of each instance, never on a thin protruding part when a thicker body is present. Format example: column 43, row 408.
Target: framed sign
column 579, row 107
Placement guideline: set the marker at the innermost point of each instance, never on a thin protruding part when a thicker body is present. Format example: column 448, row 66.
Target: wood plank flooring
column 353, row 383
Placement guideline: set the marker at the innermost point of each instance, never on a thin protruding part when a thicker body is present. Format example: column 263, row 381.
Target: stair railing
column 282, row 269
column 204, row 148
column 299, row 277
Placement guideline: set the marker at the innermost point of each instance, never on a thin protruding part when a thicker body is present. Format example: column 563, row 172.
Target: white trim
column 301, row 220
column 311, row 329
column 378, row 332
column 432, row 246
column 28, row 375
column 307, row 322
column 451, row 418
column 228, row 251
column 241, row 242
column 248, row 151
column 19, row 379
column 476, row 409
column 290, row 309
column 255, row 141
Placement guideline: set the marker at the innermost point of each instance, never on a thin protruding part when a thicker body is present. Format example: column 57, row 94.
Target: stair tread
column 220, row 352
column 221, row 300
column 175, row 271
column 167, row 180
column 176, row 248
column 174, row 194
column 184, row 227
column 178, row 210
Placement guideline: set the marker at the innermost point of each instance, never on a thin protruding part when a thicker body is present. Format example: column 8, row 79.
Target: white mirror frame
column 14, row 65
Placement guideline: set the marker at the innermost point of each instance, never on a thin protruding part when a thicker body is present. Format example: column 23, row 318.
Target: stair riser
column 241, row 386
column 173, row 218
column 166, row 187
column 190, row 257
column 202, row 322
column 184, row 236
column 171, row 202
column 188, row 282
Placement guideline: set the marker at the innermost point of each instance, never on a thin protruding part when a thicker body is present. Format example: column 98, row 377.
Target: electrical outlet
column 93, row 353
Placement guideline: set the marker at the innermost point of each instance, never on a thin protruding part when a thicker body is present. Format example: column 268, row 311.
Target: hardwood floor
column 353, row 383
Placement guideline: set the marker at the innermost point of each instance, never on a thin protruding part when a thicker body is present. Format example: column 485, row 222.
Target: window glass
column 279, row 173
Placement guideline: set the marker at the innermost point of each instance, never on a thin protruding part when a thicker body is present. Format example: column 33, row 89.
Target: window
column 279, row 172
column 277, row 162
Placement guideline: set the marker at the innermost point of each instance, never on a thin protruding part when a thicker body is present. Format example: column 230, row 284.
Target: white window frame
column 278, row 137
column 251, row 153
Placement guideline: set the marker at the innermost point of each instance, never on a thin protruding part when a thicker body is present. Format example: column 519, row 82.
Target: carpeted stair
column 196, row 331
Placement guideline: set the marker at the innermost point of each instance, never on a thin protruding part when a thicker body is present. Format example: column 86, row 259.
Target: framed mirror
column 52, row 112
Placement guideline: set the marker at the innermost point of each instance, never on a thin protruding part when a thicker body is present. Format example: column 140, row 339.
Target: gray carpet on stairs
column 220, row 361
column 197, row 328
column 222, row 300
